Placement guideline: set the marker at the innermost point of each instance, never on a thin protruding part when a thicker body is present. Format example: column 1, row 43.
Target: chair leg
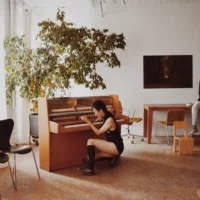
column 132, row 142
column 15, row 171
column 11, row 175
column 128, row 129
column 36, row 164
column 171, row 130
column 167, row 134
column 174, row 145
column 184, row 131
column 155, row 133
column 129, row 134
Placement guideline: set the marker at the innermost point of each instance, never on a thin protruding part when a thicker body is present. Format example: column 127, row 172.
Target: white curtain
column 20, row 17
column 3, row 110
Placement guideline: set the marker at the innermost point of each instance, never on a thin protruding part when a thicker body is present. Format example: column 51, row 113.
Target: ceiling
column 47, row 7
column 51, row 3
column 56, row 3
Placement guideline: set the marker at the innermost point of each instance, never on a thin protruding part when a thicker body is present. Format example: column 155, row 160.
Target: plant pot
column 33, row 118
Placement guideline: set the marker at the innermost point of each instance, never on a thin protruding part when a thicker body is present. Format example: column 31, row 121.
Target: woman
column 195, row 110
column 113, row 147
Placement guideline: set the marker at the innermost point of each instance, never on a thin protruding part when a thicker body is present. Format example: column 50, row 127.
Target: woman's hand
column 85, row 119
column 98, row 119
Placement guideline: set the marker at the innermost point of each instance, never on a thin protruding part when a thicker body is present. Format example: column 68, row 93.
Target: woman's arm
column 199, row 92
column 107, row 125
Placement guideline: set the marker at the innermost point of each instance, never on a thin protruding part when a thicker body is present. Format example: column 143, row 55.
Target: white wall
column 78, row 12
column 153, row 27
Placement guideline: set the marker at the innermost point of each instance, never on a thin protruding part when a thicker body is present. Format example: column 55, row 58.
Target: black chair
column 3, row 159
column 6, row 127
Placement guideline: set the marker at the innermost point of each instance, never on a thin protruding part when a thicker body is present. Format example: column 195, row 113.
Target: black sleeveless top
column 114, row 136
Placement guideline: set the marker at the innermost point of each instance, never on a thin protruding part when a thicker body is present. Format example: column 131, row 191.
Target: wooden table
column 148, row 115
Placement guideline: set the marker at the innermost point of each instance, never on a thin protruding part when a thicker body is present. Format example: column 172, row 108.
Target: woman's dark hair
column 98, row 105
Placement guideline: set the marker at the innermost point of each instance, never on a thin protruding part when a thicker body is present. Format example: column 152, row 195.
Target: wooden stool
column 198, row 192
column 186, row 143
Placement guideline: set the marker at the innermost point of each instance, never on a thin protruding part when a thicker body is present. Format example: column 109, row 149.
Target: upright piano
column 63, row 135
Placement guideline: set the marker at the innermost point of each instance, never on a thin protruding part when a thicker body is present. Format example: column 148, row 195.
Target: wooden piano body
column 62, row 135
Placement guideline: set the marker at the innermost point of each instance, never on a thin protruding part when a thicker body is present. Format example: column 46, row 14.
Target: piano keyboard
column 95, row 123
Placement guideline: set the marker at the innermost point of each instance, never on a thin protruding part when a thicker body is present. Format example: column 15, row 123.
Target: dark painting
column 167, row 71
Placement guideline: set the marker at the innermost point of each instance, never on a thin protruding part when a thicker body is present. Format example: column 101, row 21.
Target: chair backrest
column 129, row 112
column 174, row 115
column 6, row 127
column 181, row 125
column 3, row 158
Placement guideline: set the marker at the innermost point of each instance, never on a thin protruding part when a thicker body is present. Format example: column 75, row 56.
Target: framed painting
column 167, row 71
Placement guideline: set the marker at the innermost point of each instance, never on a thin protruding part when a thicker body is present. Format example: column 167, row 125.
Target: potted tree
column 65, row 53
